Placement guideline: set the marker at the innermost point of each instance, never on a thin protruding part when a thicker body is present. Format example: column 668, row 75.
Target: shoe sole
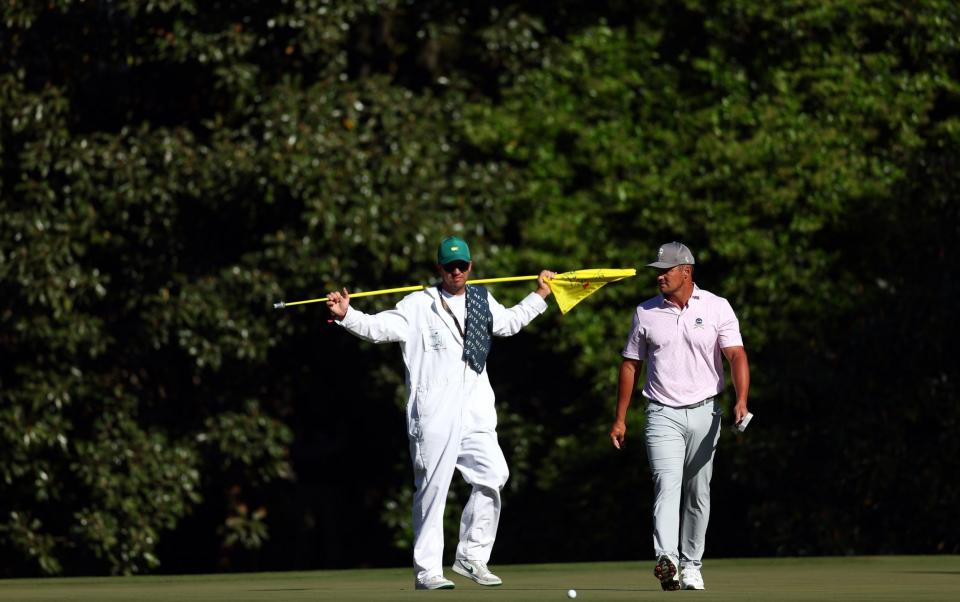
column 462, row 571
column 665, row 571
column 444, row 586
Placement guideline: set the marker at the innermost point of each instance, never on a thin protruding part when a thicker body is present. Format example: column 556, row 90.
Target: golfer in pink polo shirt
column 681, row 334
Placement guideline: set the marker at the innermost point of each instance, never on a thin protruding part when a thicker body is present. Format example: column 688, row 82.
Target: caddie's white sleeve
column 388, row 326
column 507, row 322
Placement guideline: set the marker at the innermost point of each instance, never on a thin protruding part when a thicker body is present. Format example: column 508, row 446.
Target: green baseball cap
column 452, row 248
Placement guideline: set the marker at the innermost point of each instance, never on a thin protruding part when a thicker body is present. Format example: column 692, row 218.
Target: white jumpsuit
column 451, row 419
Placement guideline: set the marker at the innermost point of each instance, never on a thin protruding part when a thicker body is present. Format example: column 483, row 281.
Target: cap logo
column 659, row 253
column 454, row 248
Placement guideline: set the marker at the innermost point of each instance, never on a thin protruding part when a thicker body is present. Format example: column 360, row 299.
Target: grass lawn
column 901, row 578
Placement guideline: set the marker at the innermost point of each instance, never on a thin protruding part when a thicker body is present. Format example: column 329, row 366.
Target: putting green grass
column 900, row 578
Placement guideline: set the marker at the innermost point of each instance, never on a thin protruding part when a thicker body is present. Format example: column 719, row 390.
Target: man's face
column 454, row 275
column 671, row 280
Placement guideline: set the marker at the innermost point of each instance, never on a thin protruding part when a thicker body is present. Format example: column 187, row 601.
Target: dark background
column 170, row 169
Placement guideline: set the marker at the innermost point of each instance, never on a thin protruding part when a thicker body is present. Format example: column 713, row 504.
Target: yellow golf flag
column 571, row 288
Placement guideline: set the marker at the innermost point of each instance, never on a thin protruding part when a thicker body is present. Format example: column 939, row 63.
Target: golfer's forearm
column 740, row 373
column 628, row 382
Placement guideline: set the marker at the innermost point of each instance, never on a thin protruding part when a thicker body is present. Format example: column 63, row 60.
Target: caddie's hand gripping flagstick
column 569, row 288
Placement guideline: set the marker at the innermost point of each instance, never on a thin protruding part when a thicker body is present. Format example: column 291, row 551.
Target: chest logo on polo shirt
column 698, row 323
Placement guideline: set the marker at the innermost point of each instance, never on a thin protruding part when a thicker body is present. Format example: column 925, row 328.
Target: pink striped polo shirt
column 682, row 347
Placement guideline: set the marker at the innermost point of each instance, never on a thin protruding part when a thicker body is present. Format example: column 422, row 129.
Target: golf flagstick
column 569, row 288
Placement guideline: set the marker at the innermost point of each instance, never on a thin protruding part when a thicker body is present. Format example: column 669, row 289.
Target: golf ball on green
column 571, row 593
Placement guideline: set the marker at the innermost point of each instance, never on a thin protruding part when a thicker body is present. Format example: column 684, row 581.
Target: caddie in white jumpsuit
column 444, row 332
column 681, row 334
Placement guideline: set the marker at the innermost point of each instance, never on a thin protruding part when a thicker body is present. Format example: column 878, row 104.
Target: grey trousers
column 680, row 447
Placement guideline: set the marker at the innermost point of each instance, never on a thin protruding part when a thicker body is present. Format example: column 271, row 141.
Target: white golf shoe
column 435, row 582
column 690, row 578
column 666, row 572
column 476, row 570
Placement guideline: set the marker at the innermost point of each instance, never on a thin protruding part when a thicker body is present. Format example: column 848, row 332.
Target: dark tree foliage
column 171, row 168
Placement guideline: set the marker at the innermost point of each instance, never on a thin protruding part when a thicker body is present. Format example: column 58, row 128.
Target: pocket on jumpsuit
column 419, row 416
column 415, row 412
column 420, row 410
column 425, row 403
column 415, row 429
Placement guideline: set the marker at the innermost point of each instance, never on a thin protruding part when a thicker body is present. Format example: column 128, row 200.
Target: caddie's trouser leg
column 680, row 445
column 434, row 454
column 483, row 466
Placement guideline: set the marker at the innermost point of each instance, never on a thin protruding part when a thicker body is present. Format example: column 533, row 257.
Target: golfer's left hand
column 739, row 411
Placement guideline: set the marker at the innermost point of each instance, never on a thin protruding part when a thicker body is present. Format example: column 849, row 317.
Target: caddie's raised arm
column 338, row 303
